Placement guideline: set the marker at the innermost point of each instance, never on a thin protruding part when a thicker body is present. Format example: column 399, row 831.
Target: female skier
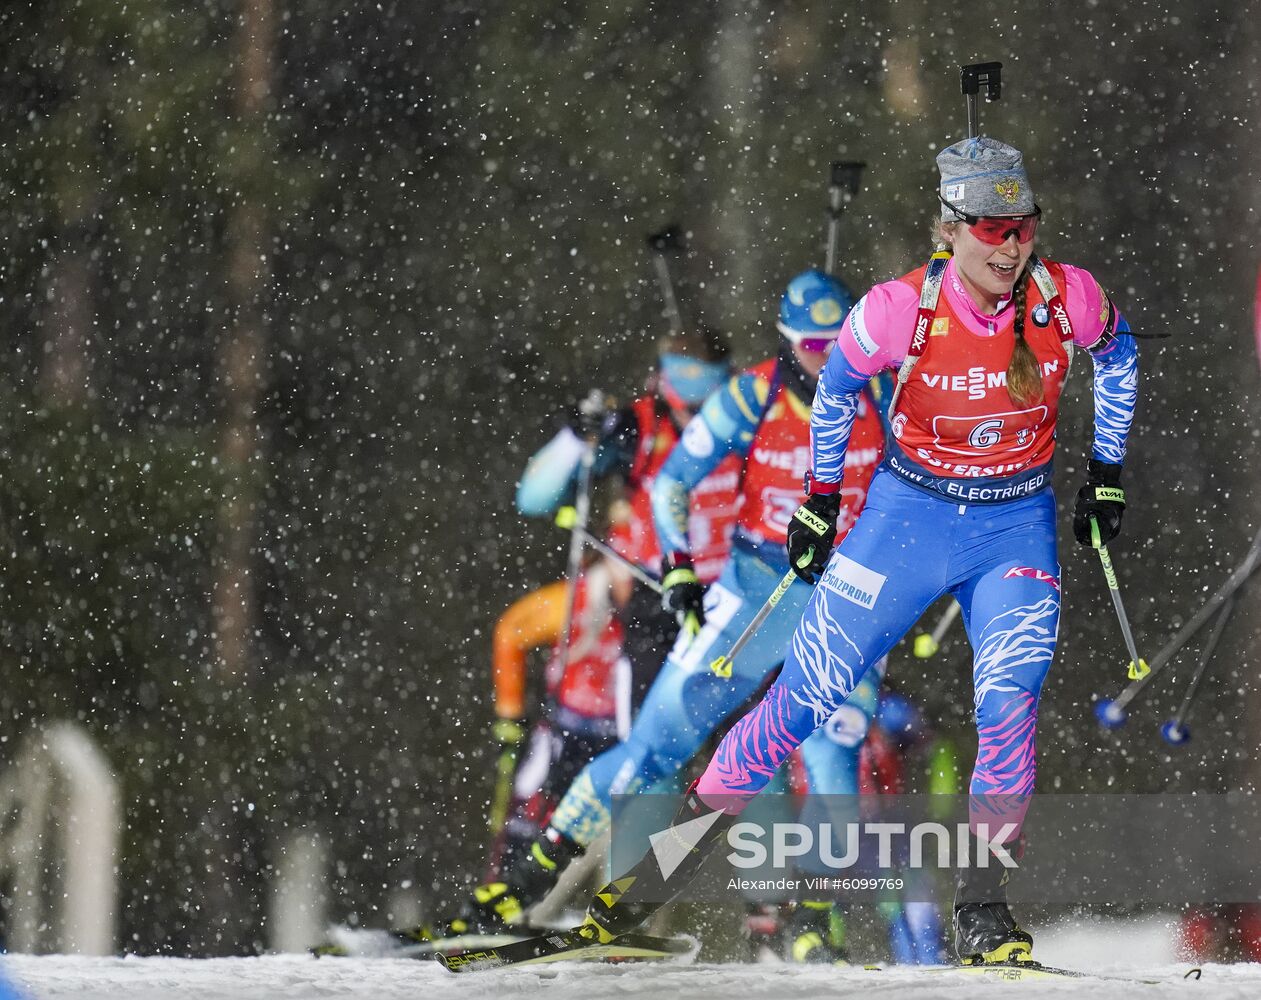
column 981, row 340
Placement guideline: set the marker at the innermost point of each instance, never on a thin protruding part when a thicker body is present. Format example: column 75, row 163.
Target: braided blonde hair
column 1024, row 381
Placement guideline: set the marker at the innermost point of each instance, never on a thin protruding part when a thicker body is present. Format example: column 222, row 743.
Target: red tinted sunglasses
column 993, row 230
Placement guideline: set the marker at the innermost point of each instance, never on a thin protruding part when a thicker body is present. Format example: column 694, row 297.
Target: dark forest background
column 290, row 290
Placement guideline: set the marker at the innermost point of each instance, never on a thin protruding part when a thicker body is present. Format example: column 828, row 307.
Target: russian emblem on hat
column 1009, row 191
column 825, row 312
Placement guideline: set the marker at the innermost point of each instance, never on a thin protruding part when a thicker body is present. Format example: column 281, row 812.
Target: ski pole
column 505, row 768
column 662, row 243
column 721, row 667
column 842, row 189
column 1112, row 713
column 582, row 510
column 970, row 79
column 1175, row 731
column 567, row 518
column 926, row 645
column 1138, row 667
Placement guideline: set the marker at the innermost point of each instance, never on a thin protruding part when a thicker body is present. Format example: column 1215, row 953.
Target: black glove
column 1101, row 498
column 811, row 534
column 682, row 592
column 587, row 417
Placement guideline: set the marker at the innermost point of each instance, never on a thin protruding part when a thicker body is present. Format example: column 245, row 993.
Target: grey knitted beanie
column 983, row 176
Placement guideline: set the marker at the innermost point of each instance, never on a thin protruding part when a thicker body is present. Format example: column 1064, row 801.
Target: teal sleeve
column 725, row 425
column 549, row 474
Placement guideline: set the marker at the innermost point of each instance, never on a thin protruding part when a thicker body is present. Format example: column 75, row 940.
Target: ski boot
column 816, row 934
column 677, row 854
column 985, row 932
column 763, row 932
column 496, row 905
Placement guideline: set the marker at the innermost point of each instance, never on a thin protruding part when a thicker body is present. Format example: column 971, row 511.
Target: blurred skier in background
column 580, row 718
column 620, row 632
column 1223, row 933
column 631, row 444
column 761, row 420
column 902, row 738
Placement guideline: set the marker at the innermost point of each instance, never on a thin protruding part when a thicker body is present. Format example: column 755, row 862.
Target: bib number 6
column 986, row 434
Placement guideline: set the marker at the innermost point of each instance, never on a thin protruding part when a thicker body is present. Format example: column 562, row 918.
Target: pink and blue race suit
column 961, row 504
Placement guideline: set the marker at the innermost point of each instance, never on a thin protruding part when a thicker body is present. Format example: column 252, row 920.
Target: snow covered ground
column 1138, row 950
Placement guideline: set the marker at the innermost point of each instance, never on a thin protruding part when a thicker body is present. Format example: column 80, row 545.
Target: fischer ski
column 347, row 942
column 565, row 946
column 1014, row 971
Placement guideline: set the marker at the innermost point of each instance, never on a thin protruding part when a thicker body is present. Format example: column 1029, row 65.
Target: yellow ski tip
column 566, row 517
column 924, row 648
column 721, row 667
column 1139, row 670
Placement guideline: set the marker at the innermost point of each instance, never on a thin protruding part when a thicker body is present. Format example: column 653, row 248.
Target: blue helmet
column 813, row 307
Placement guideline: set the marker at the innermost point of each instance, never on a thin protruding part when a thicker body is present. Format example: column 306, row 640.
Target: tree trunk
column 244, row 343
column 65, row 367
column 735, row 99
